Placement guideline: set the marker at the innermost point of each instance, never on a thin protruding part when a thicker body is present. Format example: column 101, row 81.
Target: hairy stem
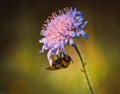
column 84, row 69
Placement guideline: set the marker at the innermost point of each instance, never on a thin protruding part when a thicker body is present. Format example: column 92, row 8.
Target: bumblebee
column 59, row 62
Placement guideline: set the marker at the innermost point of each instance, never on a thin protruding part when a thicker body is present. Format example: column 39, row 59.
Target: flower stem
column 84, row 69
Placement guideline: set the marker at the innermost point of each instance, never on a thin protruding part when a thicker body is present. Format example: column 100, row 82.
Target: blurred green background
column 22, row 68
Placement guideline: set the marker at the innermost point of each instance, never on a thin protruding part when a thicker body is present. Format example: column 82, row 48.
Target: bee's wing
column 52, row 68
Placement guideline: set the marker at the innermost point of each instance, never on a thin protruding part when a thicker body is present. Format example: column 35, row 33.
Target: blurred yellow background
column 23, row 69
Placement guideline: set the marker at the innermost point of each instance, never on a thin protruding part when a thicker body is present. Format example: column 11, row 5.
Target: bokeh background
column 23, row 69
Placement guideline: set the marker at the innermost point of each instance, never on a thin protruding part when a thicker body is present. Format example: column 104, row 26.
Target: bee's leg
column 54, row 58
column 60, row 55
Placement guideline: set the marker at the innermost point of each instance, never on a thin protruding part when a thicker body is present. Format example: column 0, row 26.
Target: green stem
column 84, row 69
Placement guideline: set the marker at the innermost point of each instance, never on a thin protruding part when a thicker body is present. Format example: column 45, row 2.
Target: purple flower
column 61, row 28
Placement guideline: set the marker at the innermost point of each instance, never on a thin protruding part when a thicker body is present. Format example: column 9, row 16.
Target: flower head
column 61, row 28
